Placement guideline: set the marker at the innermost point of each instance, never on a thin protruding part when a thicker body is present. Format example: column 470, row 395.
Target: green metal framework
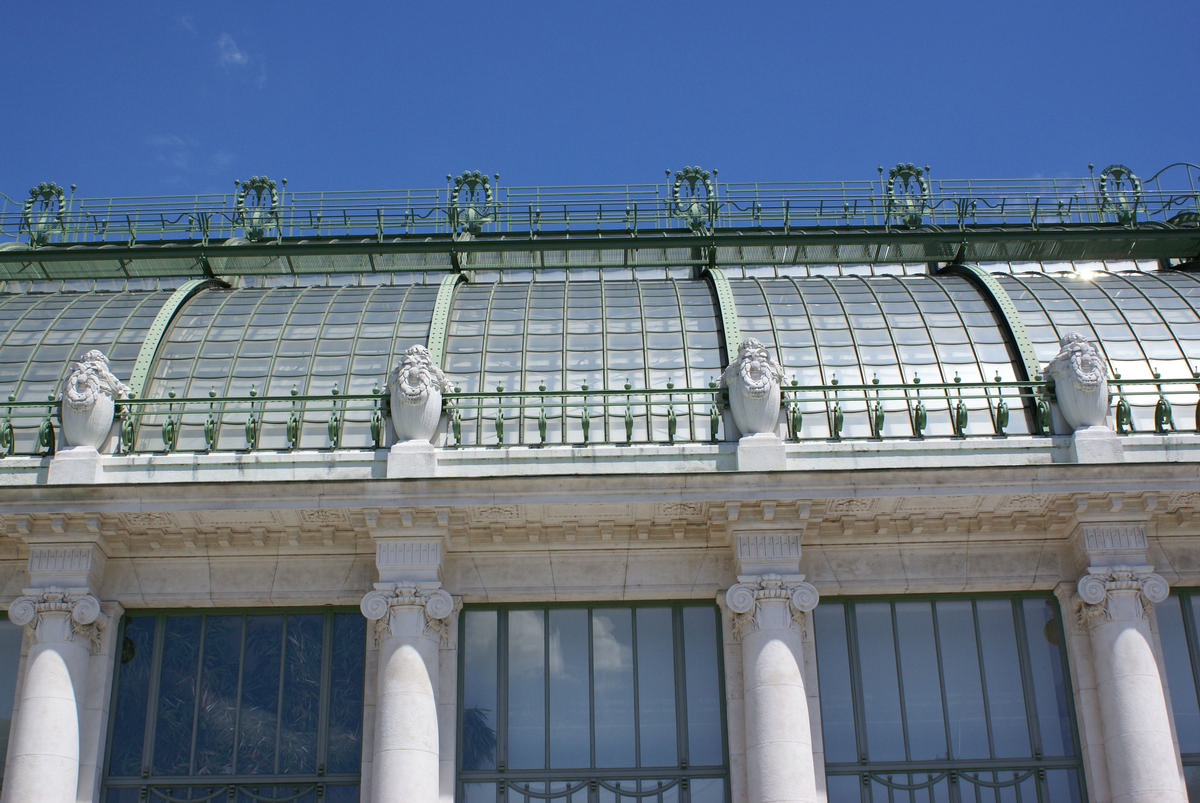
column 1008, row 311
column 145, row 358
column 441, row 315
column 727, row 307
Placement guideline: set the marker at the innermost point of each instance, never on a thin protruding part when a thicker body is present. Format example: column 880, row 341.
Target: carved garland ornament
column 378, row 605
column 416, row 386
column 87, row 620
column 753, row 379
column 743, row 599
column 1095, row 587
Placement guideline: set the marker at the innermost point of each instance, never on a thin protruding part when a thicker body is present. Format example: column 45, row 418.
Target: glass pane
column 1049, row 683
column 177, row 696
column 526, row 689
column 833, row 671
column 656, row 688
column 344, row 737
column 880, row 688
column 218, row 695
column 258, row 717
column 612, row 657
column 964, row 685
column 922, row 690
column 301, row 696
column 1180, row 674
column 129, row 710
column 706, row 736
column 1002, row 678
column 479, row 691
column 569, row 699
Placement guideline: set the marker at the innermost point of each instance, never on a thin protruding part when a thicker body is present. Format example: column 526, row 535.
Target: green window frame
column 599, row 703
column 237, row 705
column 946, row 699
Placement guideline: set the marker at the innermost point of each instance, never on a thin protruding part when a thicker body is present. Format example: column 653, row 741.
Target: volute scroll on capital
column 1095, row 589
column 745, row 597
column 83, row 609
column 436, row 604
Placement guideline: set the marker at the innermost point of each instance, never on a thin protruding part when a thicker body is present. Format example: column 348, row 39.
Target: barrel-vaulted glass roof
column 542, row 335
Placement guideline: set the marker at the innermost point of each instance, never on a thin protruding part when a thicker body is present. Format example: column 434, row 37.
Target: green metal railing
column 593, row 416
column 1170, row 197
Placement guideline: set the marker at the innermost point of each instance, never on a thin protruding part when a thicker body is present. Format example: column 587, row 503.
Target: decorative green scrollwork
column 7, row 437
column 257, row 207
column 377, row 416
column 1120, row 193
column 210, row 423
column 672, row 418
column 472, row 202
column 795, row 417
column 694, row 198
column 335, row 421
column 253, row 423
column 1196, row 375
column 170, row 426
column 1164, row 418
column 960, row 411
column 46, row 438
column 876, row 418
column 908, row 195
column 1002, row 413
column 920, row 414
column 500, row 414
column 838, row 418
column 129, row 427
column 44, row 213
column 1124, row 414
column 293, row 424
column 456, row 420
column 541, row 425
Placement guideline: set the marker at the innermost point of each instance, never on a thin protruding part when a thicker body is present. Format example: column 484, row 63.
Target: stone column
column 1113, row 605
column 769, row 611
column 410, row 622
column 44, row 747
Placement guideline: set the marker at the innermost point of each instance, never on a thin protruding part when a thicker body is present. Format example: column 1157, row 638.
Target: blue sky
column 152, row 98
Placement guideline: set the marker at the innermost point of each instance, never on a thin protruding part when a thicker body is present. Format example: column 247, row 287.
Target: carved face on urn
column 753, row 381
column 416, row 385
column 1080, row 382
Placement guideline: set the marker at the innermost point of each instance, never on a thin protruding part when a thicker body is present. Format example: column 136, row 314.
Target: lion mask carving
column 1080, row 361
column 415, row 376
column 756, row 368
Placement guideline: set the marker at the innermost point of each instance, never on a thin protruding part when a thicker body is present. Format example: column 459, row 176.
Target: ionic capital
column 757, row 602
column 382, row 605
column 74, row 610
column 1102, row 590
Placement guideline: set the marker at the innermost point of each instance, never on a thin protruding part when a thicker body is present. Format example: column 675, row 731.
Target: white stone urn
column 1080, row 382
column 753, row 381
column 89, row 400
column 416, row 385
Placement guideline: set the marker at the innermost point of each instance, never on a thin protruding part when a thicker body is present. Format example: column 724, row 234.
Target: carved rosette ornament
column 1098, row 589
column 381, row 604
column 747, row 598
column 416, row 385
column 89, row 401
column 753, row 379
column 1080, row 382
column 74, row 606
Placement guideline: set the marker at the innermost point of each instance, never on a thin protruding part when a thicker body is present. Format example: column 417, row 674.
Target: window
column 946, row 700
column 598, row 704
column 1177, row 629
column 10, row 657
column 245, row 707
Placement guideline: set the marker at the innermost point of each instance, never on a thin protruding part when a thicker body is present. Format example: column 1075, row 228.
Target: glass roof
column 562, row 333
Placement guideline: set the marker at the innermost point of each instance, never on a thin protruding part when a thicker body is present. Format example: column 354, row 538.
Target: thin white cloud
column 229, row 55
column 187, row 23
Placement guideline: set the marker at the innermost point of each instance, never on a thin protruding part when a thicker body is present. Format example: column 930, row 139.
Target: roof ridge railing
column 588, row 416
column 905, row 196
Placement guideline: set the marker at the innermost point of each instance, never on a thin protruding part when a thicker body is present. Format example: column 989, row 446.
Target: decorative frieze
column 381, row 604
column 410, row 559
column 75, row 605
column 750, row 598
column 1099, row 589
column 1113, row 537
